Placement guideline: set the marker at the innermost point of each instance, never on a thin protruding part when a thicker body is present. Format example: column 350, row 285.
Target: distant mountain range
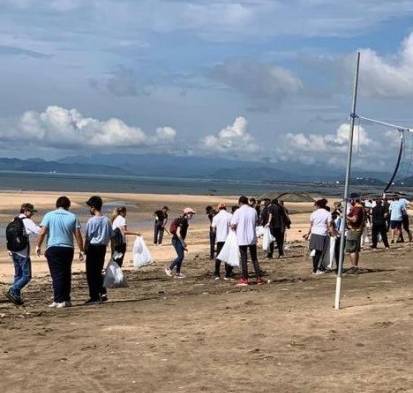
column 39, row 165
column 164, row 165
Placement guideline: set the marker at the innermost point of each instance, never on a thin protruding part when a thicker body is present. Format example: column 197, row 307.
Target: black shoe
column 104, row 298
column 269, row 256
column 14, row 299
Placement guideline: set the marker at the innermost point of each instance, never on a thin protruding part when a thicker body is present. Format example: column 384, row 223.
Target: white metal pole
column 347, row 185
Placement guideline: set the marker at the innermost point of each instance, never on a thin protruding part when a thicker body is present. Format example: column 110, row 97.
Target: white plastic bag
column 114, row 277
column 332, row 251
column 259, row 230
column 141, row 254
column 230, row 250
column 267, row 239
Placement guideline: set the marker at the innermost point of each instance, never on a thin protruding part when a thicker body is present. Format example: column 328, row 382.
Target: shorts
column 353, row 242
column 396, row 224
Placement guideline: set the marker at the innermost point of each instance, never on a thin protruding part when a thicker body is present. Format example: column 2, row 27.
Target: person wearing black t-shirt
column 278, row 221
column 161, row 219
column 379, row 217
column 179, row 230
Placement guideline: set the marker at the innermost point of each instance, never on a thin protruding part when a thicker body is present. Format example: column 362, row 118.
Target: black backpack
column 17, row 239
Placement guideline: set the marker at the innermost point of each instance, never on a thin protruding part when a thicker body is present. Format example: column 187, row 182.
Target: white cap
column 189, row 210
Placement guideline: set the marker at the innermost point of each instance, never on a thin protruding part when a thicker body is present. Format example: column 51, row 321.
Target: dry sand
column 199, row 335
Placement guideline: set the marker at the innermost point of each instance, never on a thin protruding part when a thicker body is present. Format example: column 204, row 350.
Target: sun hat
column 189, row 210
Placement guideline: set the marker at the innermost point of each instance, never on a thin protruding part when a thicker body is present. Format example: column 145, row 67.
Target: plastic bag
column 267, row 239
column 114, row 277
column 230, row 250
column 260, row 230
column 332, row 252
column 141, row 254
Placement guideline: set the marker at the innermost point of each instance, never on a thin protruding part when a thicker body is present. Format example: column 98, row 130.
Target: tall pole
column 347, row 185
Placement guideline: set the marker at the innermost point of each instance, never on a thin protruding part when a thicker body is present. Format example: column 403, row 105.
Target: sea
column 29, row 181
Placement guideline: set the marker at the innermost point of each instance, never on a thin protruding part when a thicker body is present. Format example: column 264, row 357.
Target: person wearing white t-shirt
column 120, row 231
column 221, row 224
column 244, row 222
column 320, row 228
column 21, row 259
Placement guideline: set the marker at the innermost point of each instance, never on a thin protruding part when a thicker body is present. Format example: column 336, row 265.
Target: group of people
column 244, row 220
column 379, row 215
column 62, row 228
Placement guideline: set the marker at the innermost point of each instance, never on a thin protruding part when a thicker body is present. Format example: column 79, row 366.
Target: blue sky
column 240, row 79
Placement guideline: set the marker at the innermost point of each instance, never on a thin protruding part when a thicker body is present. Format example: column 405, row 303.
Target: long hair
column 117, row 211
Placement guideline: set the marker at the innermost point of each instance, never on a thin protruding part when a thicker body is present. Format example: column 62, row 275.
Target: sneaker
column 104, row 298
column 217, row 278
column 53, row 305
column 269, row 256
column 62, row 305
column 260, row 281
column 319, row 272
column 179, row 275
column 168, row 272
column 13, row 298
column 228, row 279
column 242, row 283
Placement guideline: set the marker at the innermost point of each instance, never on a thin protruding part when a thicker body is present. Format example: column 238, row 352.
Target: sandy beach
column 201, row 335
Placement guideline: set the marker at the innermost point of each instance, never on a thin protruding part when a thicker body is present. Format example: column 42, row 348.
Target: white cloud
column 329, row 143
column 165, row 134
column 387, row 76
column 63, row 128
column 231, row 139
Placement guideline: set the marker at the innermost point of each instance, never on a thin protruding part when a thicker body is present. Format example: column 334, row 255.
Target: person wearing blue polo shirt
column 60, row 226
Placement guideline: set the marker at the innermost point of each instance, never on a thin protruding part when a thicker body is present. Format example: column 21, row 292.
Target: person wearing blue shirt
column 98, row 234
column 60, row 226
column 397, row 210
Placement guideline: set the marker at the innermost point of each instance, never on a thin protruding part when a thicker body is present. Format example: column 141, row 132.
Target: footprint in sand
column 383, row 324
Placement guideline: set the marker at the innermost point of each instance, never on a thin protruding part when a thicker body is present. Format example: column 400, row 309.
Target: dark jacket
column 377, row 215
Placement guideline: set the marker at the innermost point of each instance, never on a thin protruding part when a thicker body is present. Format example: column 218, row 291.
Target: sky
column 249, row 79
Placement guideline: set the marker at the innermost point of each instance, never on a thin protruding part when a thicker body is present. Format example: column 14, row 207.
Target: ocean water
column 26, row 181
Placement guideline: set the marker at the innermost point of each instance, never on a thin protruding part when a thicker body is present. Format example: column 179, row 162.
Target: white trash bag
column 259, row 230
column 332, row 251
column 230, row 250
column 141, row 254
column 114, row 277
column 267, row 239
